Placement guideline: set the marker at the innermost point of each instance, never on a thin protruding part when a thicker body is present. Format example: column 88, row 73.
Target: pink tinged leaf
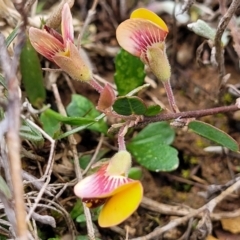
column 44, row 43
column 100, row 185
column 106, row 99
column 136, row 35
column 72, row 63
column 67, row 24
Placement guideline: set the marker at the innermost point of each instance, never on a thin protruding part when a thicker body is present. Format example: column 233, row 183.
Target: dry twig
column 9, row 67
column 72, row 142
column 217, row 41
column 209, row 206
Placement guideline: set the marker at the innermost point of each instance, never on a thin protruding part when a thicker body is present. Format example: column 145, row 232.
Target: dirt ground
column 201, row 175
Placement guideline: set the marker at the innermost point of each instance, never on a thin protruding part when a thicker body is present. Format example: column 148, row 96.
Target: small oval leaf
column 156, row 157
column 150, row 147
column 135, row 173
column 129, row 106
column 214, row 134
column 153, row 110
column 159, row 132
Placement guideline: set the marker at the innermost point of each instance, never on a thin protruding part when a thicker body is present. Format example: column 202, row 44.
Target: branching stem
column 189, row 114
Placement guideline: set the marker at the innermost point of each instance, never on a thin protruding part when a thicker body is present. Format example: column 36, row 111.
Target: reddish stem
column 121, row 135
column 170, row 96
column 190, row 114
column 96, row 85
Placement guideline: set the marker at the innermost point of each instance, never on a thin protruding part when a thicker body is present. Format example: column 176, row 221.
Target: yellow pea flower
column 110, row 186
column 143, row 35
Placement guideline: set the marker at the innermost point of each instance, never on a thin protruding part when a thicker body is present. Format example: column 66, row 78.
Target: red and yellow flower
column 143, row 35
column 110, row 186
column 60, row 48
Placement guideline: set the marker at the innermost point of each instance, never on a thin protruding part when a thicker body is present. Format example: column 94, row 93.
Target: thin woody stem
column 170, row 96
column 91, row 13
column 190, row 114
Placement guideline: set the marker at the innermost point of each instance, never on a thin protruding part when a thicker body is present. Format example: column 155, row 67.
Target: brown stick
column 217, row 41
column 12, row 134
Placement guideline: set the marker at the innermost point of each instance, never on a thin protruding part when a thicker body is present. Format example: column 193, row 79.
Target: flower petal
column 100, row 185
column 144, row 13
column 135, row 35
column 121, row 205
column 44, row 43
column 71, row 62
column 54, row 33
column 67, row 25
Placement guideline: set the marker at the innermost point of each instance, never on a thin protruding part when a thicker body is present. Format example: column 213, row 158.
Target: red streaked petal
column 135, row 35
column 144, row 13
column 121, row 205
column 44, row 43
column 54, row 33
column 67, row 25
column 100, row 184
column 72, row 63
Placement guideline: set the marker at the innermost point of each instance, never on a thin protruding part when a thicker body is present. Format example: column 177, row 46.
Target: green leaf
column 129, row 106
column 155, row 156
column 82, row 237
column 78, row 129
column 3, row 82
column 77, row 209
column 151, row 150
column 29, row 132
column 159, row 132
column 214, row 134
column 32, row 75
column 81, row 218
column 153, row 110
column 85, row 159
column 11, row 36
column 4, row 188
column 135, row 173
column 202, row 29
column 82, row 107
column 51, row 125
column 74, row 121
column 129, row 72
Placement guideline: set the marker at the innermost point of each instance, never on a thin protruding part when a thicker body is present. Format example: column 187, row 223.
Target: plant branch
column 189, row 114
column 91, row 13
column 217, row 41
